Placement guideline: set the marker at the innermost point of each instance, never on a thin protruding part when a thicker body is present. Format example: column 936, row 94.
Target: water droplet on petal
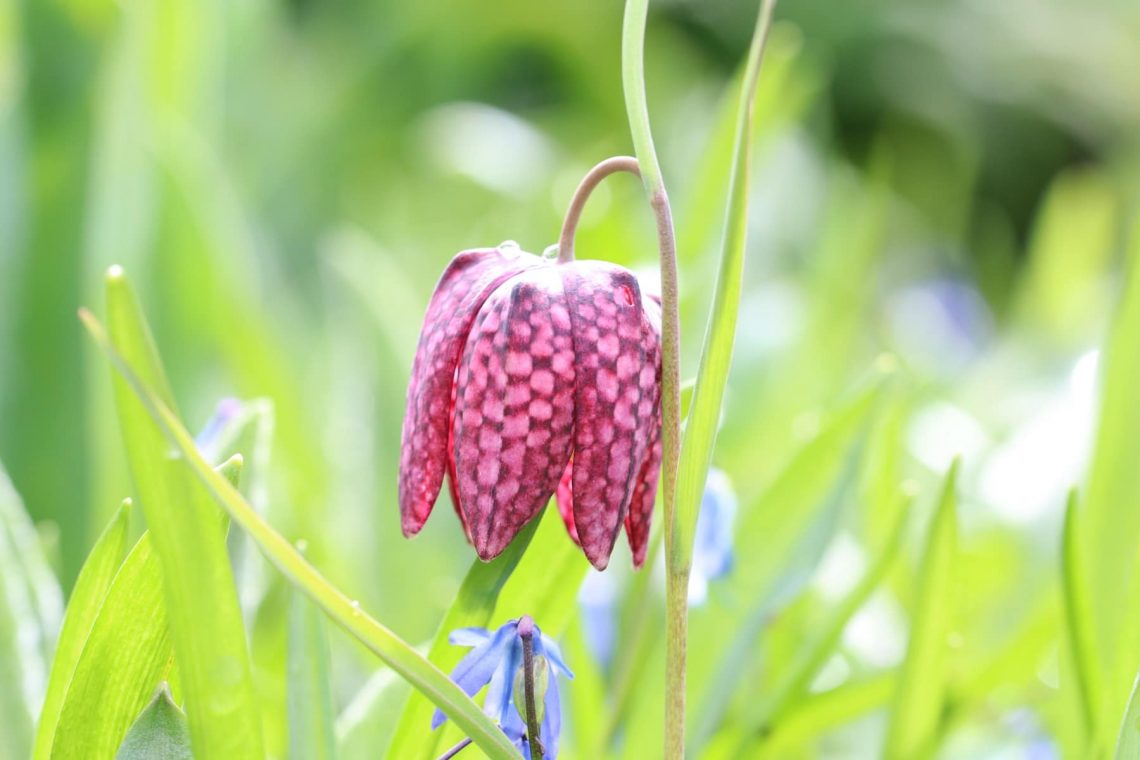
column 550, row 253
column 509, row 247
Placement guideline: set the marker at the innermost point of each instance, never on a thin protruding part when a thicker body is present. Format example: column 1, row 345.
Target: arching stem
column 582, row 194
column 676, row 564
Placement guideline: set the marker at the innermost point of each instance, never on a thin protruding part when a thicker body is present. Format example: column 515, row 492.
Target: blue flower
column 712, row 544
column 214, row 432
column 494, row 660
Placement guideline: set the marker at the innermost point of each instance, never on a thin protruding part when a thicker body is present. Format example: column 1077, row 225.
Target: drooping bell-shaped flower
column 530, row 373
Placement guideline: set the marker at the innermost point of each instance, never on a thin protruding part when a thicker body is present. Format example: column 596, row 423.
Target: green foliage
column 346, row 612
column 935, row 250
column 87, row 598
column 160, row 733
column 473, row 607
column 921, row 693
column 29, row 619
column 126, row 654
column 311, row 729
column 189, row 539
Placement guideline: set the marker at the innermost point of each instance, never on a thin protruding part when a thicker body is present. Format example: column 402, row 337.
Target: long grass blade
column 82, row 610
column 473, row 607
column 125, row 656
column 915, row 719
column 398, row 654
column 189, row 539
column 716, row 355
column 30, row 609
column 311, row 733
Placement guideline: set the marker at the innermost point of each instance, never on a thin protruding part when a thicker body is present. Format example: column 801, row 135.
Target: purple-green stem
column 676, row 556
column 680, row 518
column 526, row 633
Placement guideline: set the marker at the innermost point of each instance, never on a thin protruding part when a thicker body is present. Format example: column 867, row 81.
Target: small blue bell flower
column 494, row 661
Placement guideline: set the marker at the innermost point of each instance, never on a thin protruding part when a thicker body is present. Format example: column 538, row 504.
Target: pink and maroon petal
column 514, row 408
column 640, row 515
column 613, row 407
column 468, row 280
column 565, row 499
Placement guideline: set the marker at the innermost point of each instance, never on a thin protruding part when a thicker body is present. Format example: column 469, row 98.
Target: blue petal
column 552, row 718
column 499, row 701
column 549, row 649
column 468, row 637
column 712, row 547
column 515, row 730
column 478, row 667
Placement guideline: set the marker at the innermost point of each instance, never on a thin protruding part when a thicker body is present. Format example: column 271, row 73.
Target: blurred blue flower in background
column 712, row 544
column 712, row 558
column 212, row 435
column 597, row 599
column 494, row 661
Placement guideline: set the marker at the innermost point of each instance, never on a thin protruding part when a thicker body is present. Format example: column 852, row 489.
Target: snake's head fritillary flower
column 530, row 373
column 495, row 661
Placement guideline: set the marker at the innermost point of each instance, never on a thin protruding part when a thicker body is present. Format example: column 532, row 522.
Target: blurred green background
column 944, row 191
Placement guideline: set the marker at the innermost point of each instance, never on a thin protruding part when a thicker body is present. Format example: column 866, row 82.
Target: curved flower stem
column 456, row 749
column 676, row 562
column 578, row 201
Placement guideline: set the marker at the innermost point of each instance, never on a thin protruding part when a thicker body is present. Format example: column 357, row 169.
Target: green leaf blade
column 30, row 610
column 189, row 539
column 83, row 607
column 160, row 733
column 398, row 654
column 916, row 717
column 716, row 356
column 473, row 607
column 311, row 732
column 125, row 655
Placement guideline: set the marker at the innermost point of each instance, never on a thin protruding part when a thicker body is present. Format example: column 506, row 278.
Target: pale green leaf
column 1109, row 524
column 30, row 610
column 82, row 610
column 348, row 614
column 125, row 656
column 160, row 733
column 473, row 606
column 189, row 540
column 716, row 355
column 1128, row 742
column 311, row 734
column 916, row 716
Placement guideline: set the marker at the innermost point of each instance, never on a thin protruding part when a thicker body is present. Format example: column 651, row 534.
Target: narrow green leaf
column 1078, row 618
column 125, row 655
column 1128, row 742
column 545, row 584
column 802, row 488
column 820, row 713
column 82, row 610
column 1109, row 525
column 815, row 651
column 30, row 610
column 917, row 712
column 716, row 355
column 311, row 734
column 126, row 651
column 398, row 654
column 800, row 543
column 160, row 733
column 189, row 540
column 473, row 606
